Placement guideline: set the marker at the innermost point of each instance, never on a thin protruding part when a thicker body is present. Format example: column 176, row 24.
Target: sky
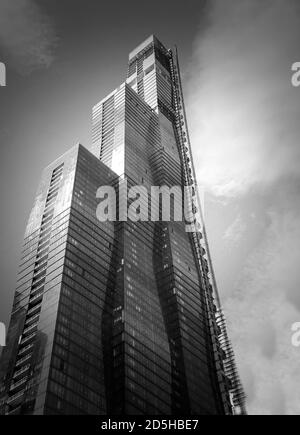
column 62, row 57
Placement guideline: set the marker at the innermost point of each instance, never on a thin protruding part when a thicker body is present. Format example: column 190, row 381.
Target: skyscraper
column 120, row 316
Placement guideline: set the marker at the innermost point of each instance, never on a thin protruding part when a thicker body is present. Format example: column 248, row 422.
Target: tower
column 149, row 144
column 121, row 316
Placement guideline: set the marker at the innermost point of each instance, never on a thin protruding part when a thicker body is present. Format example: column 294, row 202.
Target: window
column 149, row 69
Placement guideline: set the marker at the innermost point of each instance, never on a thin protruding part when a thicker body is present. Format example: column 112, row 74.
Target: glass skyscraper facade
column 53, row 362
column 119, row 317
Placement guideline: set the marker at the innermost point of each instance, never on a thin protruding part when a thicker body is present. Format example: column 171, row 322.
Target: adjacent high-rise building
column 120, row 316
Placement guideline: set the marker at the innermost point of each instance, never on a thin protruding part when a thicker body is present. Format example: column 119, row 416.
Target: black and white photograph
column 150, row 212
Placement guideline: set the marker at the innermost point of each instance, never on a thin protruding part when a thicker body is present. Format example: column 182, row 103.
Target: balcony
column 36, row 297
column 18, row 384
column 21, row 371
column 25, row 349
column 15, row 397
column 34, row 309
column 30, row 328
column 30, row 337
column 25, row 358
column 37, row 285
column 32, row 318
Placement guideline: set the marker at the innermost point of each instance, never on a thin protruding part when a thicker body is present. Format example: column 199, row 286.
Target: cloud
column 243, row 110
column 26, row 35
column 261, row 306
column 235, row 231
column 244, row 118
